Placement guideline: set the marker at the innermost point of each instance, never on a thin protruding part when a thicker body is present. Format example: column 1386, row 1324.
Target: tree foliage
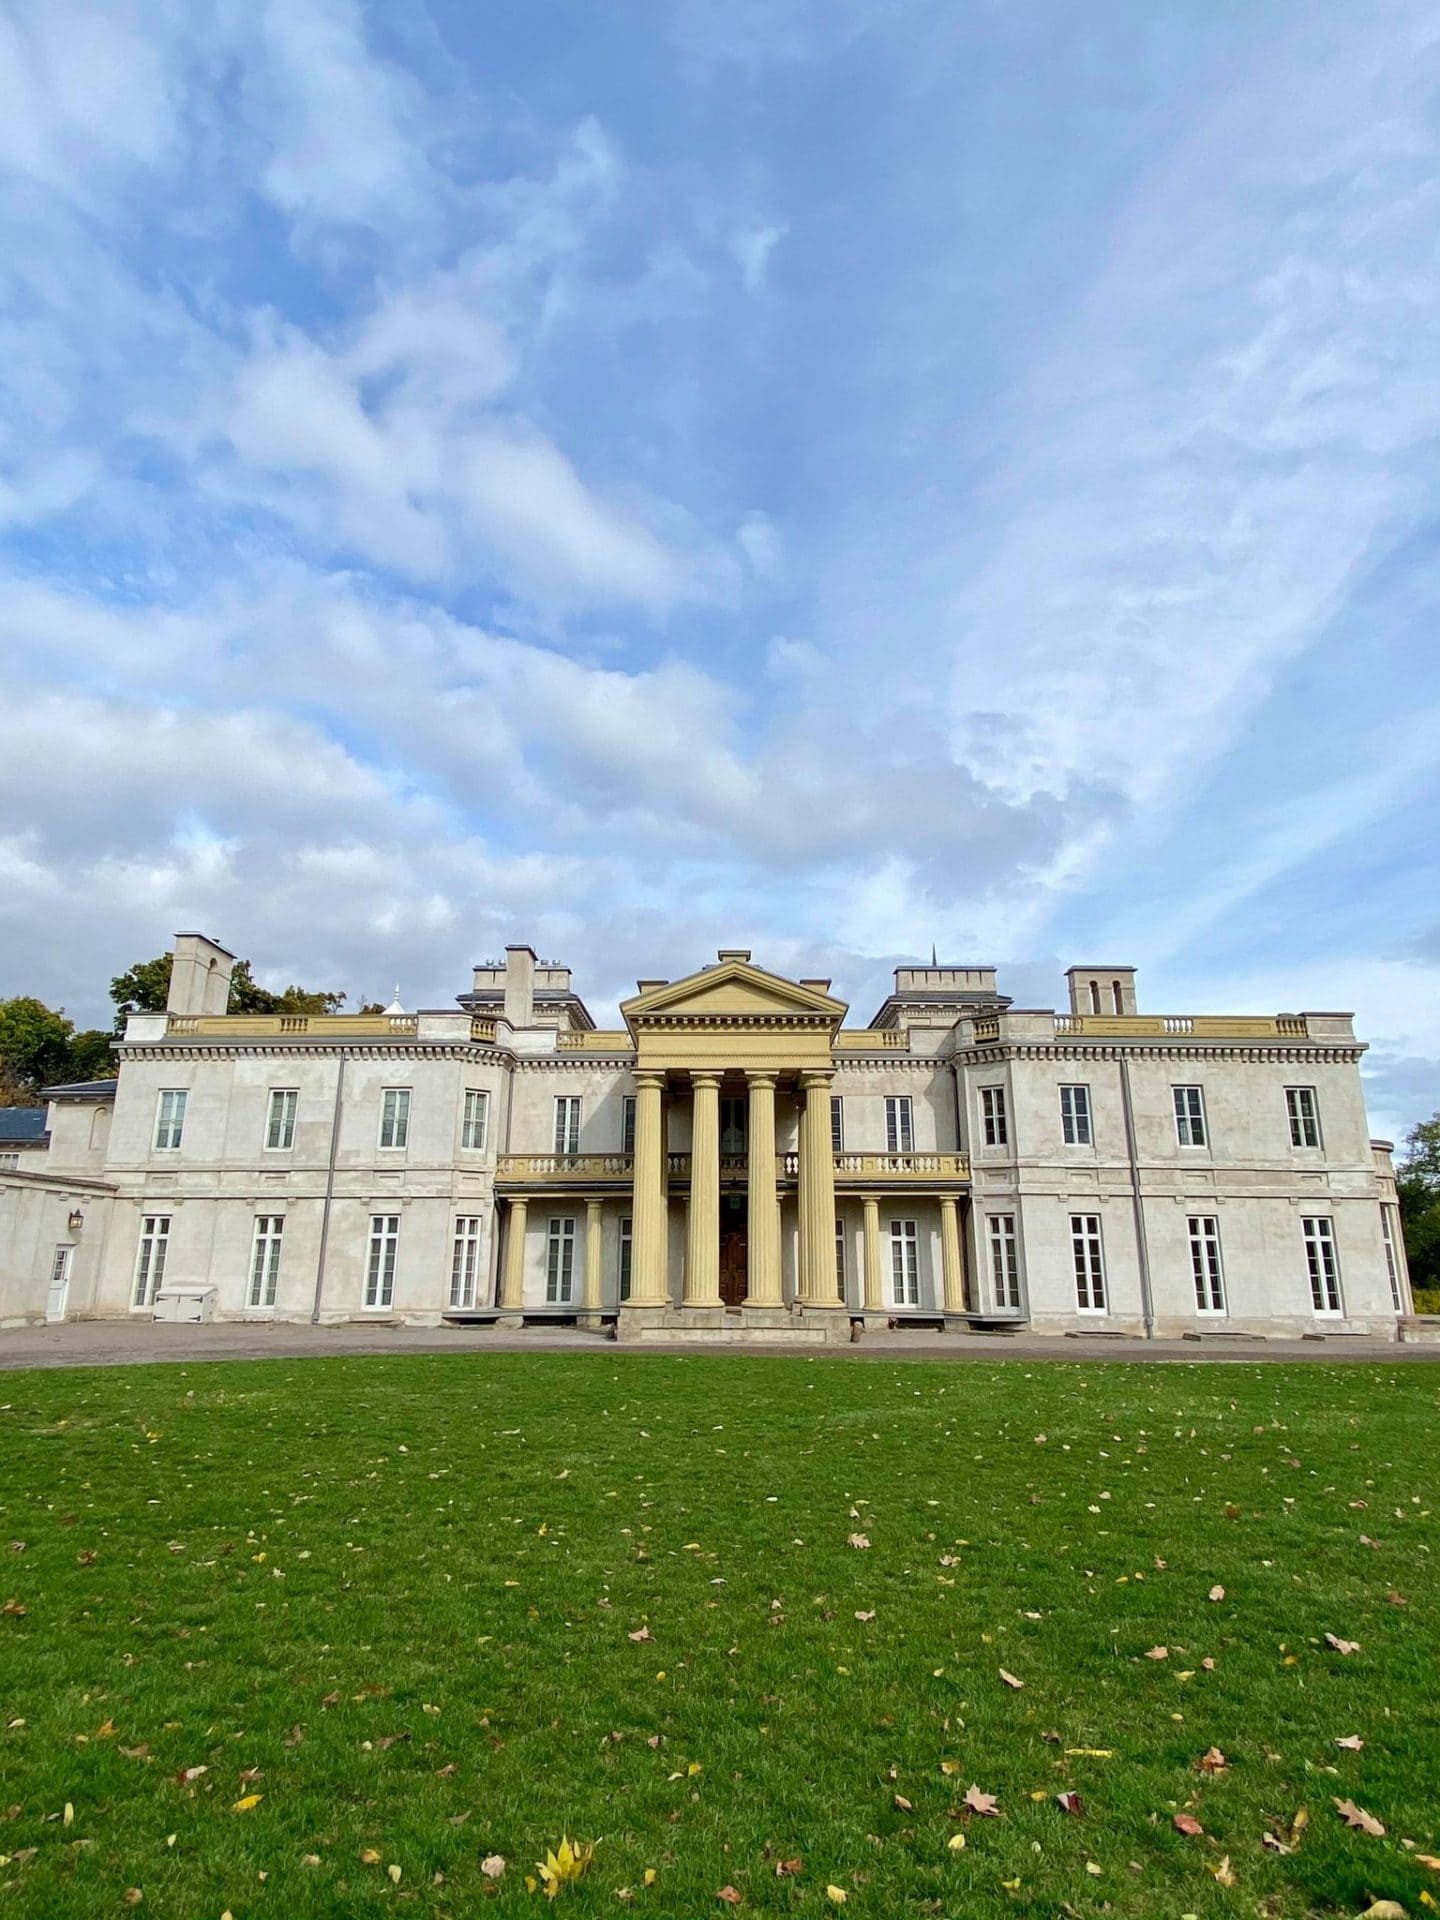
column 145, row 987
column 1417, row 1179
column 39, row 1047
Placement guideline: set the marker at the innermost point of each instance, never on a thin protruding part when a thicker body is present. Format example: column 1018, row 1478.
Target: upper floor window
column 837, row 1123
column 1209, row 1275
column 475, row 1122
column 465, row 1261
column 1304, row 1111
column 9, row 1159
column 1094, row 996
column 265, row 1258
column 1005, row 1262
column 169, row 1119
column 627, row 1123
column 899, row 1124
column 150, row 1258
column 1075, row 1117
column 1323, row 1263
column 1089, row 1253
column 1189, row 1116
column 734, row 1124
column 905, row 1262
column 560, row 1259
column 994, row 1121
column 280, row 1121
column 567, row 1123
column 395, row 1117
column 380, row 1267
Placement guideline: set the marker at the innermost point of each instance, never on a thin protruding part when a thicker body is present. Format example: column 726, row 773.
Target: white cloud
column 753, row 247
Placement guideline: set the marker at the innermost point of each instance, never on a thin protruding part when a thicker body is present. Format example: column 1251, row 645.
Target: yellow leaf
column 68, row 1816
column 1090, row 1753
column 369, row 1856
column 649, row 1876
column 1011, row 1886
column 949, row 1766
column 564, row 1864
column 394, row 1873
column 837, row 1894
column 956, row 1842
column 250, row 1800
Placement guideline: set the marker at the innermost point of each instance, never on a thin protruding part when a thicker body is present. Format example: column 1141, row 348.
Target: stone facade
column 735, row 1162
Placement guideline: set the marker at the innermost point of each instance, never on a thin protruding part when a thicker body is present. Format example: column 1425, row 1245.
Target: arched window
column 1094, row 996
column 1119, row 1003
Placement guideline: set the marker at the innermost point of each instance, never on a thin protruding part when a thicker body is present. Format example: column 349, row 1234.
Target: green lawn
column 398, row 1600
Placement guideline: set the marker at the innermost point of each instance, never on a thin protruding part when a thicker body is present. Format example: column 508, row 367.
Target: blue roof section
column 22, row 1124
column 82, row 1090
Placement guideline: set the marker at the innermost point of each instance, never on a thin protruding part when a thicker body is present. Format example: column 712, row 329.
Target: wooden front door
column 733, row 1249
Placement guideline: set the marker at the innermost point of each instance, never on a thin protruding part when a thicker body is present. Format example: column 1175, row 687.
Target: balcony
column 935, row 1172
column 317, row 1026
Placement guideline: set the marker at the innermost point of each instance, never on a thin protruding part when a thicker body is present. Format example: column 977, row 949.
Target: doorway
column 734, row 1248
column 58, row 1296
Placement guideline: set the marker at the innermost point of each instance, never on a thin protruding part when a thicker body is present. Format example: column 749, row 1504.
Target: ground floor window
column 465, row 1264
column 380, row 1270
column 1205, row 1263
column 560, row 1260
column 840, row 1258
column 1392, row 1263
column 627, row 1247
column 1323, row 1262
column 905, row 1262
column 1089, row 1262
column 150, row 1258
column 1005, row 1262
column 265, row 1258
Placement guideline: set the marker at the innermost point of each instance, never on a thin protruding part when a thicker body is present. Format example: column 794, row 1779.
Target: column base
column 508, row 1320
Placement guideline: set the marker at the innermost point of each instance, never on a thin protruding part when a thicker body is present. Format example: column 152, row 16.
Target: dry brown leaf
column 1212, row 1761
column 1341, row 1646
column 1187, row 1823
column 187, row 1774
column 1208, row 1664
column 1010, row 1680
column 1216, row 1593
column 1357, row 1817
column 1224, row 1873
column 978, row 1802
column 787, row 1869
column 493, row 1865
column 858, row 1540
column 732, row 1896
column 640, row 1633
column 1384, row 1910
column 1158, row 1653
column 866, row 1616
column 1351, row 1742
column 903, row 1804
column 1069, row 1802
column 369, row 1856
column 1274, row 1843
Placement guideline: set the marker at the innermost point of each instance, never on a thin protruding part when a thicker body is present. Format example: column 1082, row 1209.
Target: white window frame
column 567, row 1123
column 474, row 1120
column 1077, row 1128
column 8, row 1160
column 280, row 1118
column 625, row 1257
column 994, row 1117
column 150, row 1256
column 465, row 1262
column 837, row 1123
column 560, row 1233
column 1207, row 1263
column 1004, row 1261
column 1087, row 1247
column 1302, row 1105
column 905, row 1262
column 266, row 1246
column 1392, row 1259
column 899, row 1123
column 1192, row 1129
column 394, row 1135
column 170, row 1104
column 382, row 1258
column 1322, row 1259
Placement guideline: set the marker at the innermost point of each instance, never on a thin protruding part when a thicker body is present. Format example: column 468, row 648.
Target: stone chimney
column 199, row 976
column 520, row 986
column 1108, row 990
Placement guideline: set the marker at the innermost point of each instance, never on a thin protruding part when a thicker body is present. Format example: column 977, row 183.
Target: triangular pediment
column 733, row 989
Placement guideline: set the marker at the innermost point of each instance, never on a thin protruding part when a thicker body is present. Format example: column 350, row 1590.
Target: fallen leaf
column 1274, row 1843
column 956, row 1842
column 1351, row 1741
column 787, row 1869
column 1224, row 1873
column 978, row 1802
column 866, row 1616
column 1158, row 1653
column 1384, row 1910
column 1341, row 1646
column 394, row 1873
column 858, row 1540
column 1010, row 1680
column 68, row 1816
column 1212, row 1761
column 132, row 1896
column 1091, row 1866
column 903, row 1804
column 1354, row 1816
column 1216, row 1593
column 369, row 1856
column 1069, row 1802
column 493, row 1865
column 1090, row 1753
column 309, row 1859
column 732, row 1896
column 246, row 1802
column 564, row 1864
column 641, row 1633
column 1187, row 1823
column 187, row 1774
column 837, row 1894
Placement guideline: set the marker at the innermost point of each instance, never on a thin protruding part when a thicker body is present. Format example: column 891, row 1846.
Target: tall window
column 840, row 1258
column 1392, row 1261
column 1304, row 1111
column 1075, row 1117
column 627, row 1245
column 567, row 1123
column 169, row 1119
column 837, row 1124
column 475, row 1122
column 560, row 1260
column 734, row 1124
column 994, row 1123
column 1323, row 1262
column 1205, row 1263
column 899, row 1124
column 280, row 1121
column 395, row 1117
column 1094, row 996
column 627, row 1123
column 1005, row 1262
column 150, row 1258
column 465, row 1263
column 905, row 1262
column 380, row 1269
column 1189, row 1116
column 1089, row 1262
column 265, row 1258
column 1115, row 993
column 9, row 1159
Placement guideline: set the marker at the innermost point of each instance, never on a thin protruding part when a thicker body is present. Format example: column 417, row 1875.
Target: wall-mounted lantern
column 77, row 1220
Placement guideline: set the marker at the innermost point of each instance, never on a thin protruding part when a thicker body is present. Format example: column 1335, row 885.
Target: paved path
column 126, row 1343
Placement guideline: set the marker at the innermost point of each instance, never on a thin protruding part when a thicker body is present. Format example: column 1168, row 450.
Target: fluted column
column 702, row 1235
column 817, row 1187
column 952, row 1266
column 874, row 1285
column 762, row 1280
column 512, row 1291
column 649, row 1277
column 591, row 1301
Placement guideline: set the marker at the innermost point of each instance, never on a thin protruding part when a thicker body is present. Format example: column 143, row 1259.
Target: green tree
column 1417, row 1180
column 39, row 1047
column 145, row 987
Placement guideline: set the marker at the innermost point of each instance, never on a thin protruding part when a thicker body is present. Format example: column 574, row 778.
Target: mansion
column 735, row 1162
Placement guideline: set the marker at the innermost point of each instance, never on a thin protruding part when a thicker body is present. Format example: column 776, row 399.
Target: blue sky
column 830, row 477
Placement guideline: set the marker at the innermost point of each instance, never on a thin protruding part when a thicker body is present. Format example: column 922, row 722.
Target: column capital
column 648, row 1076
column 760, row 1076
column 705, row 1076
column 812, row 1078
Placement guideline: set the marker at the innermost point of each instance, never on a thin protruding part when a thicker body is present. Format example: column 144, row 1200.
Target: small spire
column 933, row 961
column 395, row 1006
